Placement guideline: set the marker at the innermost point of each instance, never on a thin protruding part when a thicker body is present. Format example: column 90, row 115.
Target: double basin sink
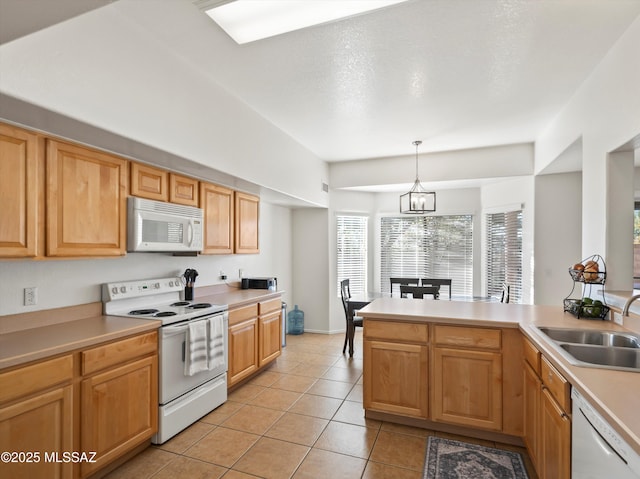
column 600, row 349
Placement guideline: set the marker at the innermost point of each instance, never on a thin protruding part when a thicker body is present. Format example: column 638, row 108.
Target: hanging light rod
column 418, row 200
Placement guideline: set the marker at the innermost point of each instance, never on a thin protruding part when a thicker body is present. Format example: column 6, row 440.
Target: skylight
column 250, row 20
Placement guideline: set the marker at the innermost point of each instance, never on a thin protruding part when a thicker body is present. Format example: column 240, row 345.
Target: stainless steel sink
column 596, row 349
column 604, row 356
column 586, row 336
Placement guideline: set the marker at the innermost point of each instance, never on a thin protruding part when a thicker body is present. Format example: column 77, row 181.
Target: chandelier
column 417, row 200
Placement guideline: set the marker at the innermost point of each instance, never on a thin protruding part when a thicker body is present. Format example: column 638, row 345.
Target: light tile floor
column 300, row 418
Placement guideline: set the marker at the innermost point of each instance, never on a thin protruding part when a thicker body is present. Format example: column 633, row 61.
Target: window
column 352, row 252
column 428, row 247
column 504, row 254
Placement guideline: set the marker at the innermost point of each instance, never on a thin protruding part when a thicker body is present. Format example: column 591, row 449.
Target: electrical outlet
column 240, row 273
column 30, row 296
column 223, row 276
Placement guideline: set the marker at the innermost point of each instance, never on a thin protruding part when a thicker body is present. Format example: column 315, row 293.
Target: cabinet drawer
column 271, row 305
column 39, row 376
column 119, row 352
column 558, row 386
column 467, row 337
column 241, row 314
column 531, row 354
column 396, row 331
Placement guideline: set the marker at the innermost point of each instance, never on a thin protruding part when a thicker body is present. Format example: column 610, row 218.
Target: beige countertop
column 20, row 347
column 615, row 394
column 33, row 336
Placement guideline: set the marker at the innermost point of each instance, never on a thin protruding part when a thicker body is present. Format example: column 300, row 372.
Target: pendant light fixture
column 418, row 200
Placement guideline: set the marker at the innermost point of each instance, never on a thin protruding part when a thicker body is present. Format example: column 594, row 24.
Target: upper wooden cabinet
column 217, row 203
column 86, row 201
column 183, row 190
column 21, row 192
column 149, row 182
column 246, row 223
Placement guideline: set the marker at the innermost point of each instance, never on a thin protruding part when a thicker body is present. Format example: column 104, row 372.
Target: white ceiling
column 455, row 73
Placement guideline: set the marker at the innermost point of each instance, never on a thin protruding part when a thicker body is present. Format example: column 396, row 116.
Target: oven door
column 173, row 381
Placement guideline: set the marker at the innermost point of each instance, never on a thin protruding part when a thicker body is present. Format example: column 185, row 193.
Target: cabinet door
column 42, row 424
column 86, row 202
column 532, row 406
column 119, row 410
column 21, row 192
column 270, row 337
column 149, row 182
column 395, row 380
column 555, row 452
column 183, row 190
column 246, row 223
column 467, row 387
column 217, row 203
column 243, row 350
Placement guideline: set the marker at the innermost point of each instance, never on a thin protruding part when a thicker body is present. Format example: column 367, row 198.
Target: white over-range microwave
column 163, row 227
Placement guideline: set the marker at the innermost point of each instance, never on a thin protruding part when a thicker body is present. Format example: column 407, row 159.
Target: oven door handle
column 184, row 350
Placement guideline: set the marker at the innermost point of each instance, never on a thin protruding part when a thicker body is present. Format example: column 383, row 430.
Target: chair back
column 506, row 293
column 418, row 292
column 403, row 281
column 345, row 294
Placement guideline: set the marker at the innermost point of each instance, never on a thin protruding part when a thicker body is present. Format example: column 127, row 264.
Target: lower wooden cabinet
column 467, row 387
column 255, row 338
column 396, row 377
column 555, row 452
column 269, row 331
column 95, row 405
column 467, row 383
column 243, row 350
column 119, row 411
column 40, row 429
column 547, row 420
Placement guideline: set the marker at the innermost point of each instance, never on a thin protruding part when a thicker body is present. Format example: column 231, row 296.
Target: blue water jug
column 295, row 321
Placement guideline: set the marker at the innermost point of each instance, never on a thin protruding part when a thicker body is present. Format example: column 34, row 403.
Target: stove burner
column 162, row 314
column 143, row 311
column 200, row 305
column 180, row 303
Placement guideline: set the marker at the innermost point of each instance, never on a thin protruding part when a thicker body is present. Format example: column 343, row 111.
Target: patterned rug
column 449, row 459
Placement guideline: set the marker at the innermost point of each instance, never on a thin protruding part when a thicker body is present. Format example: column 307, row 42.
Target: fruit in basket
column 591, row 271
column 578, row 268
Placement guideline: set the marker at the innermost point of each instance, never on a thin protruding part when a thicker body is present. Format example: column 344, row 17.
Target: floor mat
column 449, row 459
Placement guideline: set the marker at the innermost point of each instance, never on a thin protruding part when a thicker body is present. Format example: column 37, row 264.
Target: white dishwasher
column 597, row 450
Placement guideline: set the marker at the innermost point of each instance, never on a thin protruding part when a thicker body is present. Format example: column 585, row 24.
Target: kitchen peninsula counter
column 615, row 394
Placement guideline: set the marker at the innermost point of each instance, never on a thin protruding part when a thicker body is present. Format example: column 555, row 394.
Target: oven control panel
column 136, row 289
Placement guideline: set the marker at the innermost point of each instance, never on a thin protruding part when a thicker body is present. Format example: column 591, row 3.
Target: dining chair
column 506, row 293
column 439, row 282
column 418, row 292
column 403, row 281
column 354, row 320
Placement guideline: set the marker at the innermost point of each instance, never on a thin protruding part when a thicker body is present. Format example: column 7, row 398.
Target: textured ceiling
column 454, row 73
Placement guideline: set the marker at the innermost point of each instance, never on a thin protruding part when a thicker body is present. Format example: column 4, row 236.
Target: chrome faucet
column 625, row 310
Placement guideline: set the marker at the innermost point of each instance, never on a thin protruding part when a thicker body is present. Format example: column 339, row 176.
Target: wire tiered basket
column 590, row 272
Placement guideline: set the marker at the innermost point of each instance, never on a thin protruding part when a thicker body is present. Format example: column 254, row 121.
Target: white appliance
column 597, row 450
column 163, row 227
column 183, row 398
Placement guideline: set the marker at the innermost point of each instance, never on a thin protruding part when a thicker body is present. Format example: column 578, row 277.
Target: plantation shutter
column 428, row 247
column 504, row 253
column 352, row 252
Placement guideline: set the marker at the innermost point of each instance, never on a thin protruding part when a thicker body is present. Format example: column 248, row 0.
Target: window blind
column 504, row 254
column 428, row 247
column 352, row 252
